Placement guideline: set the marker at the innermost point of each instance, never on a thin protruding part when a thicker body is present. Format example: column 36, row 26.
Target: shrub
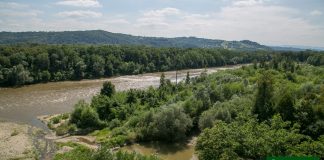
column 168, row 124
column 208, row 118
column 56, row 120
column 85, row 116
column 64, row 128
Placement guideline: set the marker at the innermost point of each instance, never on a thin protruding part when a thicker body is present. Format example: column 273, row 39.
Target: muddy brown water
column 24, row 104
column 163, row 150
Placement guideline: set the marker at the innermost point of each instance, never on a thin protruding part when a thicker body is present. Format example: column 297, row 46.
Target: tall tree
column 108, row 89
column 263, row 106
column 162, row 80
column 285, row 106
column 188, row 78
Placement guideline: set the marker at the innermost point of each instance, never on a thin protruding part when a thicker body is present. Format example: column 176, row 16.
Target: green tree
column 104, row 107
column 209, row 117
column 162, row 80
column 253, row 140
column 19, row 75
column 108, row 89
column 42, row 61
column 85, row 116
column 285, row 106
column 79, row 69
column 131, row 96
column 263, row 106
column 97, row 65
column 168, row 124
column 188, row 78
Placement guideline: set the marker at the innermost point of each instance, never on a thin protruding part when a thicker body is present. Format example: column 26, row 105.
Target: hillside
column 104, row 37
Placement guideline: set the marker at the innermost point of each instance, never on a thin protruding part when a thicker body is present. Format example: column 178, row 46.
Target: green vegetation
column 274, row 107
column 271, row 108
column 170, row 123
column 279, row 115
column 80, row 152
column 248, row 139
column 32, row 63
column 108, row 89
column 103, row 37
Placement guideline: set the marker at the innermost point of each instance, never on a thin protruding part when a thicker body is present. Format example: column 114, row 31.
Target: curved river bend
column 24, row 104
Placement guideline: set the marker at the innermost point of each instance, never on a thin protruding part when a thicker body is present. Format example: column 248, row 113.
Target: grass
column 65, row 128
column 78, row 153
column 59, row 118
column 101, row 135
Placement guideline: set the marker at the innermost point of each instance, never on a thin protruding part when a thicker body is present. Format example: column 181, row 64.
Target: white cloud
column 247, row 2
column 12, row 5
column 156, row 20
column 79, row 14
column 163, row 12
column 316, row 13
column 255, row 20
column 249, row 19
column 17, row 14
column 80, row 3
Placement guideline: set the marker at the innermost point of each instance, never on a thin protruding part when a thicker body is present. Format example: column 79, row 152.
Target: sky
column 269, row 22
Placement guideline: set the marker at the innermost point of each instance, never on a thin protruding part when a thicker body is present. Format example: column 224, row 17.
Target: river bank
column 18, row 141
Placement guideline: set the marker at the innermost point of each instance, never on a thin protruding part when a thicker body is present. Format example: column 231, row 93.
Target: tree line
column 32, row 63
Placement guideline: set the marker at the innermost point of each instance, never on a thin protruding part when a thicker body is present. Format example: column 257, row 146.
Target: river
column 24, row 104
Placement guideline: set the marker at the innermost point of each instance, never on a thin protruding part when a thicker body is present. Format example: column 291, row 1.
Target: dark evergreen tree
column 263, row 106
column 285, row 106
column 188, row 78
column 108, row 89
column 162, row 80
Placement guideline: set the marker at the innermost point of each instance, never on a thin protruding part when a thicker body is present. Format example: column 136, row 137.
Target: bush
column 85, row 117
column 103, row 105
column 65, row 116
column 56, row 120
column 208, row 118
column 65, row 128
column 62, row 129
column 168, row 124
column 72, row 128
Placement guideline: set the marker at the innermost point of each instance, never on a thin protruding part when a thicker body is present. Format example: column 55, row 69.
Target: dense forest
column 104, row 37
column 27, row 64
column 269, row 108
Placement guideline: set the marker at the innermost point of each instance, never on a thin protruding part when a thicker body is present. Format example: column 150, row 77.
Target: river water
column 24, row 104
column 165, row 151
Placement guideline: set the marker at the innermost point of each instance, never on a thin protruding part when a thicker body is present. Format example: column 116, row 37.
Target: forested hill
column 104, row 37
